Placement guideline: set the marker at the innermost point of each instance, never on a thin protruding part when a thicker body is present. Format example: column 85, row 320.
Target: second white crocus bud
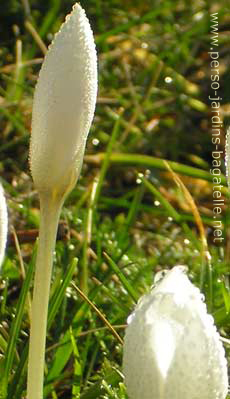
column 172, row 349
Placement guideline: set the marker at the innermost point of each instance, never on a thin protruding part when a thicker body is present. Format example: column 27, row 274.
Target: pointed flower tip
column 64, row 104
column 172, row 348
column 3, row 225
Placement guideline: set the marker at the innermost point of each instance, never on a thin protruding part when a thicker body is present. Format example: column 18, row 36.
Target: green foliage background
column 154, row 82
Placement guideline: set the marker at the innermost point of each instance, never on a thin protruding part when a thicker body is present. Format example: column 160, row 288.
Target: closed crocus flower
column 63, row 108
column 64, row 104
column 3, row 224
column 172, row 349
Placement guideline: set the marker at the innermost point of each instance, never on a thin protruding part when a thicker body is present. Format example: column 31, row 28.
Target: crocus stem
column 49, row 210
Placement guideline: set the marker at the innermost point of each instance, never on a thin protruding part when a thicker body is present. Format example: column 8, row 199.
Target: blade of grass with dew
column 109, row 390
column 113, row 115
column 61, row 357
column 153, row 162
column 89, row 366
column 4, row 298
column 96, row 390
column 77, row 367
column 64, row 350
column 3, row 348
column 126, row 26
column 47, row 22
column 17, row 385
column 59, row 294
column 169, row 208
column 55, row 303
column 96, row 189
column 15, row 120
column 124, row 281
column 50, row 17
column 131, row 217
column 181, row 83
column 87, row 229
column 105, row 290
column 226, row 297
column 86, row 365
column 171, row 211
column 15, row 329
column 221, row 317
column 106, row 202
column 206, row 258
column 187, row 86
column 107, row 157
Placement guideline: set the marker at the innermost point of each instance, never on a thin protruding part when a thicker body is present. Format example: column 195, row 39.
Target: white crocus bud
column 172, row 349
column 64, row 104
column 3, row 224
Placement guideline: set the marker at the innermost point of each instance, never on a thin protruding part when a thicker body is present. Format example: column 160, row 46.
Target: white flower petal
column 172, row 349
column 64, row 104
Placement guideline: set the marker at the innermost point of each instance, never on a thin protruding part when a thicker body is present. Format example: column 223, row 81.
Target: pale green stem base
column 49, row 216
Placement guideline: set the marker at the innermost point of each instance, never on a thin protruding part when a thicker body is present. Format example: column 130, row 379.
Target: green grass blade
column 50, row 17
column 154, row 162
column 16, row 324
column 96, row 190
column 106, row 160
column 77, row 367
column 106, row 202
column 126, row 284
column 171, row 211
column 96, row 390
column 58, row 296
column 61, row 357
column 19, row 377
column 17, row 385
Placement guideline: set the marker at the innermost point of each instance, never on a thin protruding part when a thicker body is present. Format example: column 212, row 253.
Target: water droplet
column 198, row 16
column 95, row 141
column 139, row 178
column 208, row 255
column 168, row 79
